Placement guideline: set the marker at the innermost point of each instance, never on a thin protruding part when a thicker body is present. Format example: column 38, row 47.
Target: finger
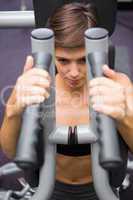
column 108, row 72
column 103, row 81
column 115, row 100
column 114, row 112
column 30, row 100
column 28, row 64
column 39, row 72
column 105, row 90
column 25, row 82
column 116, row 76
column 34, row 90
column 37, row 81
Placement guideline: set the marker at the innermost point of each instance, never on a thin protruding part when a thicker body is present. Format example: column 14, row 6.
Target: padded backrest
column 107, row 10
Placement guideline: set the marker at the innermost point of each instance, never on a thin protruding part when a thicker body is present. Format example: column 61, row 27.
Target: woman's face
column 71, row 66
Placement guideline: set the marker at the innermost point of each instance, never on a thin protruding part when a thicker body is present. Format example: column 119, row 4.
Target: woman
column 111, row 95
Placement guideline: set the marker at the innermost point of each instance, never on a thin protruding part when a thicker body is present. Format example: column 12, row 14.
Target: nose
column 74, row 71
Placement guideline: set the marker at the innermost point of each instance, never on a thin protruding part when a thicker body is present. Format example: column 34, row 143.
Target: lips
column 73, row 81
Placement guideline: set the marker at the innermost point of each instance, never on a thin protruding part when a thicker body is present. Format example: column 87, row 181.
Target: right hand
column 31, row 88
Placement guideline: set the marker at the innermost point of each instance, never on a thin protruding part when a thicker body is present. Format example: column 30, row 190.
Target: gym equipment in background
column 52, row 134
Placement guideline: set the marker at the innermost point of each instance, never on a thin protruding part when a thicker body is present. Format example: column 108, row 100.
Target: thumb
column 110, row 73
column 28, row 64
column 116, row 76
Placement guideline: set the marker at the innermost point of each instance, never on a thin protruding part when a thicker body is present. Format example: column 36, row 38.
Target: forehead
column 70, row 53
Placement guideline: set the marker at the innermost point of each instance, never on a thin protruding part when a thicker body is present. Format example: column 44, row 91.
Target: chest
column 72, row 116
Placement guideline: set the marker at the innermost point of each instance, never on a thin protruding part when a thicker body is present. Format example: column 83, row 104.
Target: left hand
column 112, row 95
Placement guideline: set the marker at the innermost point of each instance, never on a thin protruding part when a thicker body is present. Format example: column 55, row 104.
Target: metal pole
column 17, row 19
column 23, row 5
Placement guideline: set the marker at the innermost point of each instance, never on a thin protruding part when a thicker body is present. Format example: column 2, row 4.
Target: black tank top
column 74, row 150
column 64, row 149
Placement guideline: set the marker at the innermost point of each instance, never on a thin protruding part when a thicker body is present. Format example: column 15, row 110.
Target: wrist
column 127, row 120
column 12, row 111
column 12, row 108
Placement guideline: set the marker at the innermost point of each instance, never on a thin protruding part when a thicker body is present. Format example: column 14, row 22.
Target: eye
column 82, row 61
column 63, row 61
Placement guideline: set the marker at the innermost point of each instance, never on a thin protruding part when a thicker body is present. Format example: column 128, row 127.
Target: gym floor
column 15, row 45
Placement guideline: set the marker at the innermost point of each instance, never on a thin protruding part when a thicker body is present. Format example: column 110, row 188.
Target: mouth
column 73, row 81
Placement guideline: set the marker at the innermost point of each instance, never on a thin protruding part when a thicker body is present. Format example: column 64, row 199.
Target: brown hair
column 69, row 23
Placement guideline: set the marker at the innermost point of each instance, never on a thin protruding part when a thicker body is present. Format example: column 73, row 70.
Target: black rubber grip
column 26, row 154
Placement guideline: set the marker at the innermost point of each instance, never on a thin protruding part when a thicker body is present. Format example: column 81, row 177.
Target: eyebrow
column 58, row 57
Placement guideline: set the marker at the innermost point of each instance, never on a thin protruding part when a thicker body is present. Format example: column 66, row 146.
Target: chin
column 76, row 86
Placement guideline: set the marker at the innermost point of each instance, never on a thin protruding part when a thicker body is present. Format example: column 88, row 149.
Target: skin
column 71, row 66
column 109, row 95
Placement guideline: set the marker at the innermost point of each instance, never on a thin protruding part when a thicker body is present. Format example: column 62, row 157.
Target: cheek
column 60, row 70
column 84, row 70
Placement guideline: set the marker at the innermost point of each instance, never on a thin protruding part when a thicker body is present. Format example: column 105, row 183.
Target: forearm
column 9, row 134
column 10, row 128
column 125, row 128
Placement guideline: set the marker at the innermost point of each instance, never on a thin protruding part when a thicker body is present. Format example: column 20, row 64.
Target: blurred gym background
column 15, row 46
